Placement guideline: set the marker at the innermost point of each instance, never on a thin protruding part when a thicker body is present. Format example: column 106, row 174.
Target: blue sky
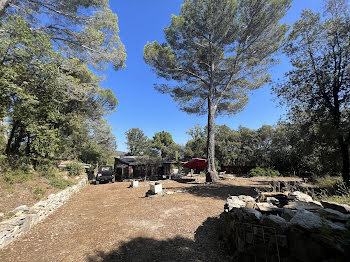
column 143, row 107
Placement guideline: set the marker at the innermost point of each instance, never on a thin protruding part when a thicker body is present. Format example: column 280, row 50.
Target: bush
column 60, row 183
column 75, row 169
column 16, row 176
column 45, row 165
column 39, row 192
column 48, row 173
column 258, row 171
column 327, row 182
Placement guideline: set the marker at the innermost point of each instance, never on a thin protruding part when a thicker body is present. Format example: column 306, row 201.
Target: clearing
column 111, row 222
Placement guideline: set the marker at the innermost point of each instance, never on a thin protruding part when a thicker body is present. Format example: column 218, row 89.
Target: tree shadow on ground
column 205, row 247
column 220, row 190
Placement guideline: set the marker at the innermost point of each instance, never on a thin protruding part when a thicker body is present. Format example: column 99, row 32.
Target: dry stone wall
column 285, row 227
column 24, row 217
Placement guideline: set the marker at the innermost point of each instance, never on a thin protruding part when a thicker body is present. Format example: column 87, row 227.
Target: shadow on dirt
column 205, row 247
column 219, row 190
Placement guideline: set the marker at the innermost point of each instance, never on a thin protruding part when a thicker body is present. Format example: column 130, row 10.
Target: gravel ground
column 111, row 222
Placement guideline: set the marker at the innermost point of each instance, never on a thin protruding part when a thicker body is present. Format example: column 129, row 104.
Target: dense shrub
column 16, row 176
column 60, row 183
column 49, row 172
column 258, row 171
column 75, row 169
column 39, row 192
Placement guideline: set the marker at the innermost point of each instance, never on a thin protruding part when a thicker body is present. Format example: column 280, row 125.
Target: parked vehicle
column 105, row 173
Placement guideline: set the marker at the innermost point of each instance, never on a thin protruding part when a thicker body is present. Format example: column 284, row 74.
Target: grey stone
column 277, row 222
column 306, row 219
column 288, row 214
column 339, row 207
column 311, row 205
column 309, row 220
column 254, row 214
column 333, row 214
column 266, row 207
column 301, row 196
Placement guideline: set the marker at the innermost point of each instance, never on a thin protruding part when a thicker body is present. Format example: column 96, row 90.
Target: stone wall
column 24, row 218
column 303, row 230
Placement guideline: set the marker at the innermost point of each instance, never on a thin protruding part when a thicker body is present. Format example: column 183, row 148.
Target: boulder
column 252, row 213
column 277, row 222
column 246, row 198
column 266, row 207
column 312, row 205
column 233, row 202
column 306, row 219
column 335, row 206
column 301, row 196
column 309, row 220
column 20, row 209
column 333, row 214
column 288, row 214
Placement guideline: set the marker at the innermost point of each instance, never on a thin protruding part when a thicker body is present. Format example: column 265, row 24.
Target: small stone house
column 133, row 167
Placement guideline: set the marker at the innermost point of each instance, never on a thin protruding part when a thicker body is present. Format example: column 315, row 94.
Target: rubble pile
column 288, row 226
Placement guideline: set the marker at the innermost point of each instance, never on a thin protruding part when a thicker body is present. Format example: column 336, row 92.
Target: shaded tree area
column 51, row 104
column 298, row 147
column 317, row 89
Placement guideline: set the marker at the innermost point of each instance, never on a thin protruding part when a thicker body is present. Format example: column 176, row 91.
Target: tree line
column 302, row 148
column 51, row 103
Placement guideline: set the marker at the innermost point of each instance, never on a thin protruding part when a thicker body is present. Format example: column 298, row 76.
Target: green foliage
column 39, row 192
column 196, row 146
column 54, row 104
column 317, row 88
column 75, row 169
column 60, row 183
column 327, row 182
column 164, row 144
column 137, row 142
column 16, row 177
column 49, row 172
column 85, row 29
column 258, row 171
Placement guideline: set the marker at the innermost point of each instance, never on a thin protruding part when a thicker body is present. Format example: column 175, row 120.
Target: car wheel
column 97, row 182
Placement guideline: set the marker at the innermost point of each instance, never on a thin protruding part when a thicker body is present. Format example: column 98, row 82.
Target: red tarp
column 196, row 163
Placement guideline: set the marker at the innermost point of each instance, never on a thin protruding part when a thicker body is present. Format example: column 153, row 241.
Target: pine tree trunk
column 344, row 147
column 212, row 175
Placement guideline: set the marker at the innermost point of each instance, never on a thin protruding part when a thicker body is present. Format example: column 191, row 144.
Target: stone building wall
column 25, row 218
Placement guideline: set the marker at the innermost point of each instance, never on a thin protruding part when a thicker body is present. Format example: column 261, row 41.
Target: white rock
column 301, row 196
column 233, row 202
column 246, row 198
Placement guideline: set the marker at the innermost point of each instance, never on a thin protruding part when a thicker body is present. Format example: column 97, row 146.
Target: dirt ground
column 111, row 222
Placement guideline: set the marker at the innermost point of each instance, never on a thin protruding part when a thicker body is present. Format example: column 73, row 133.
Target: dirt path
column 111, row 222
